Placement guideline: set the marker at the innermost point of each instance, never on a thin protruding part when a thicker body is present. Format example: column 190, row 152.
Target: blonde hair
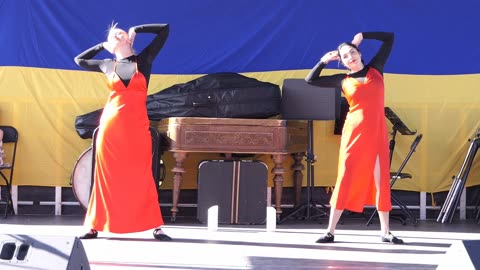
column 111, row 27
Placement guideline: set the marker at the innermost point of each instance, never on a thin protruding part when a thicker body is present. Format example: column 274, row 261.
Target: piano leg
column 178, row 171
column 278, row 171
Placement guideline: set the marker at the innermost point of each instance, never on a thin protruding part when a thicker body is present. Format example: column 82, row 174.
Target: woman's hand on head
column 131, row 35
column 357, row 39
column 329, row 56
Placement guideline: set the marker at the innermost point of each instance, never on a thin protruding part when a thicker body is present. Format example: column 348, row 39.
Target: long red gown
column 364, row 138
column 124, row 198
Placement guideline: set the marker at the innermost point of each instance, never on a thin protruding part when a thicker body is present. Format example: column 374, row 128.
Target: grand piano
column 275, row 137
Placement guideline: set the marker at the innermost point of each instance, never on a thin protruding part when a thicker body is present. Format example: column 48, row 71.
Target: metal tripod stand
column 453, row 198
column 310, row 203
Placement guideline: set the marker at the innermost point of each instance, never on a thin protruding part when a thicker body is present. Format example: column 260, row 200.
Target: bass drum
column 82, row 177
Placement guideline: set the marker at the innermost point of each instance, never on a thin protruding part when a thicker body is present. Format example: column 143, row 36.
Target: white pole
column 271, row 219
column 212, row 219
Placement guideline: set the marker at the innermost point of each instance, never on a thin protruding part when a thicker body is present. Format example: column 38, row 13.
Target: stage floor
column 291, row 246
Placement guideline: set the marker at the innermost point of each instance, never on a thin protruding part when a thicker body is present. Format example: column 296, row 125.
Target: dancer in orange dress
column 363, row 169
column 124, row 198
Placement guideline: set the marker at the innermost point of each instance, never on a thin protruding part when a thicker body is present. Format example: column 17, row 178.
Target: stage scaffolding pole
column 447, row 212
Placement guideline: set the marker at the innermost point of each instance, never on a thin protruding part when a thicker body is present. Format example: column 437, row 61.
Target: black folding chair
column 394, row 176
column 10, row 136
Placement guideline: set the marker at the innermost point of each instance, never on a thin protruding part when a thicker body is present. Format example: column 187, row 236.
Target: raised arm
column 315, row 71
column 314, row 77
column 86, row 61
column 161, row 31
column 387, row 38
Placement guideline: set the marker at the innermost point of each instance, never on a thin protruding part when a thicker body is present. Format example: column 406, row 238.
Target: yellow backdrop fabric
column 43, row 103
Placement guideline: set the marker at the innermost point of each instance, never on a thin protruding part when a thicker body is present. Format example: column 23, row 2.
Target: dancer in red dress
column 124, row 198
column 363, row 169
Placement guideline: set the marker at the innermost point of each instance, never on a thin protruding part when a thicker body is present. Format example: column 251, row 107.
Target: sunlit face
column 351, row 58
column 117, row 37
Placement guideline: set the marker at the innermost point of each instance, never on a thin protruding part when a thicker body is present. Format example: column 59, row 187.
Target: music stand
column 398, row 125
column 302, row 101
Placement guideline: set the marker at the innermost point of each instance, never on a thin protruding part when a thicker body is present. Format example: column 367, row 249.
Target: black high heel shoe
column 159, row 235
column 92, row 234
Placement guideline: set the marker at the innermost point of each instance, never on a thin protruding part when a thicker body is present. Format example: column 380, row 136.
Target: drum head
column 82, row 177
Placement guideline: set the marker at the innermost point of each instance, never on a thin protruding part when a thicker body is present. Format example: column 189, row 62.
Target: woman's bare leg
column 383, row 215
column 335, row 215
column 384, row 222
column 328, row 237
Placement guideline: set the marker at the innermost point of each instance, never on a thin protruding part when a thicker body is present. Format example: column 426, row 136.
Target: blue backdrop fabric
column 207, row 36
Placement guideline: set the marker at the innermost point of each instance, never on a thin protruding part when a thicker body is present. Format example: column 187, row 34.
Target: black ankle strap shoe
column 390, row 238
column 159, row 235
column 92, row 234
column 326, row 238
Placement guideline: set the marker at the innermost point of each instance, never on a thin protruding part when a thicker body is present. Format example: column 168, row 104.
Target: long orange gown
column 364, row 138
column 124, row 198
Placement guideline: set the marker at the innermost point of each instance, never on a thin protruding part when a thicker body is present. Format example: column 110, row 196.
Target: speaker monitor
column 42, row 252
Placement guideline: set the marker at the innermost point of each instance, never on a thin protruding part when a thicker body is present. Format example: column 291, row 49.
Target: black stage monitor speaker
column 303, row 101
column 42, row 252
